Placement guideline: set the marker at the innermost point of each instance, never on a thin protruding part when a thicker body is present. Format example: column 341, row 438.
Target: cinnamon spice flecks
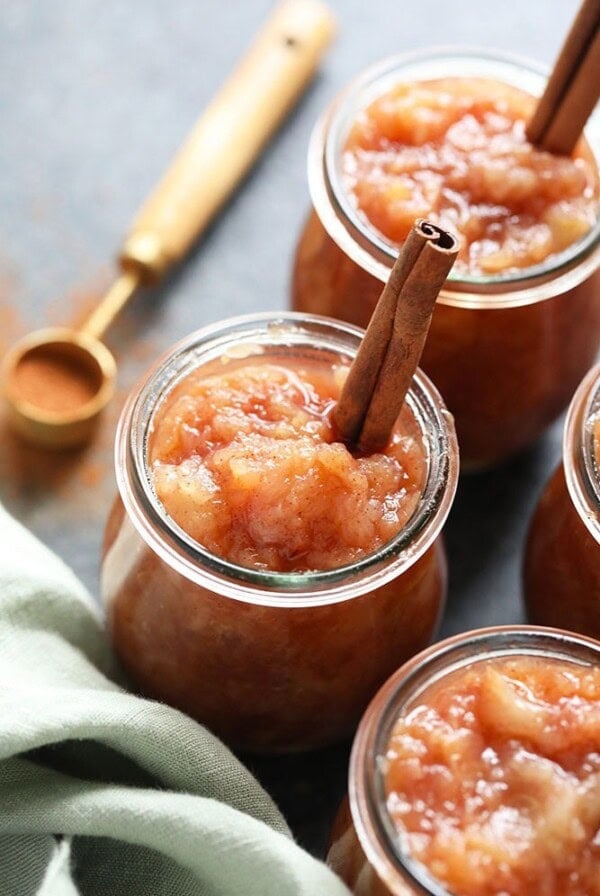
column 54, row 380
column 390, row 351
column 75, row 484
column 573, row 87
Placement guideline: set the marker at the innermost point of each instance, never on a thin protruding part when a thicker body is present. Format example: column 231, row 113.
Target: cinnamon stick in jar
column 573, row 87
column 381, row 373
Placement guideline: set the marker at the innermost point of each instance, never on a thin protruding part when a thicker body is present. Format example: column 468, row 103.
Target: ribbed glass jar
column 271, row 662
column 505, row 351
column 365, row 848
column 562, row 558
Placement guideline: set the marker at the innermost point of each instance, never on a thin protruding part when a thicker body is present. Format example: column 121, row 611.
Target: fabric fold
column 103, row 792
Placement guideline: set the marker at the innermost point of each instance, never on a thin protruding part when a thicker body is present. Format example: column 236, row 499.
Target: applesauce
column 518, row 321
column 506, row 794
column 562, row 556
column 476, row 771
column 221, row 572
column 454, row 151
column 247, row 462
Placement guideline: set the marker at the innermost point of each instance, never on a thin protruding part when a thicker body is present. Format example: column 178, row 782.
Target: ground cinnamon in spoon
column 54, row 381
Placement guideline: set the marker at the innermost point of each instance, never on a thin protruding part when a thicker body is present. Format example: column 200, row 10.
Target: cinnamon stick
column 573, row 87
column 382, row 371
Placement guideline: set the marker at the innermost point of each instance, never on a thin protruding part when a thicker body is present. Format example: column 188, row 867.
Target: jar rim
column 582, row 473
column 374, row 828
column 376, row 255
column 191, row 559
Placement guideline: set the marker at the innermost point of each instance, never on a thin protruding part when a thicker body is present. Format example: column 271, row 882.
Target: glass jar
column 271, row 662
column 562, row 557
column 365, row 851
column 506, row 351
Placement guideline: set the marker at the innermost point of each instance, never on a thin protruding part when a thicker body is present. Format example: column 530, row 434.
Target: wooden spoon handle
column 229, row 136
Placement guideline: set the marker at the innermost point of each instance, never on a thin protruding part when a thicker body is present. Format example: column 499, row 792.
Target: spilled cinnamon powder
column 75, row 484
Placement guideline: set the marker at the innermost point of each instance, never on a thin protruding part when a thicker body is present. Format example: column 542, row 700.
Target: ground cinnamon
column 388, row 356
column 573, row 87
column 53, row 380
column 75, row 486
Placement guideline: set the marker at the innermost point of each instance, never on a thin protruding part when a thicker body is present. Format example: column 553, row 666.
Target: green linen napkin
column 103, row 793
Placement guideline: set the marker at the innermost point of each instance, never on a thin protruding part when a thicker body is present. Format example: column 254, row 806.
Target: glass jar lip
column 191, row 560
column 374, row 254
column 374, row 829
column 582, row 473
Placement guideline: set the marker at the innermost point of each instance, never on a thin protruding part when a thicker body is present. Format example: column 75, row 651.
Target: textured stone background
column 95, row 96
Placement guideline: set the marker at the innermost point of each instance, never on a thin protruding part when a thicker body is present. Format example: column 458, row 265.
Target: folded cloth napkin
column 103, row 793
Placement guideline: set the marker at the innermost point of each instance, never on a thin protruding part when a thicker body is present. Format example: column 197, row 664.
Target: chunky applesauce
column 454, row 150
column 493, row 778
column 246, row 461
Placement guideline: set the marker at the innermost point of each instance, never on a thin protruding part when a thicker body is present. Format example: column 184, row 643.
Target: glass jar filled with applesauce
column 476, row 772
column 562, row 557
column 441, row 134
column 258, row 574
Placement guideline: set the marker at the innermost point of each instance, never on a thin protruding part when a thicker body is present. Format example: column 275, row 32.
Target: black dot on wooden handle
column 291, row 41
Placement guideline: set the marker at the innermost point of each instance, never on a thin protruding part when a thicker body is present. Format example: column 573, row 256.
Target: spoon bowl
column 57, row 382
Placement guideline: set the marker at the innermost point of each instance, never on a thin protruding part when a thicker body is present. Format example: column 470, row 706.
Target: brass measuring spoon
column 219, row 151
